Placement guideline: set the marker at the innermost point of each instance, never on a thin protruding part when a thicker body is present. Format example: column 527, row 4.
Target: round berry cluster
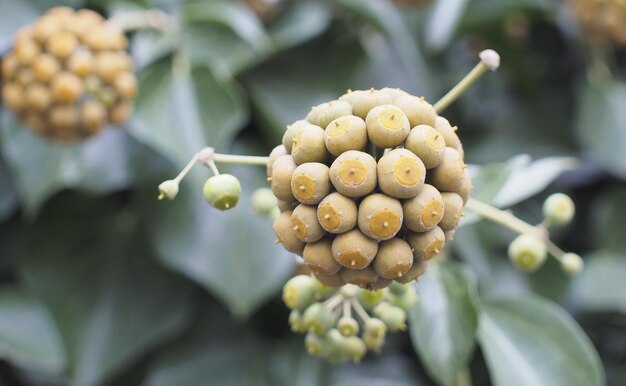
column 370, row 187
column 602, row 20
column 342, row 325
column 68, row 74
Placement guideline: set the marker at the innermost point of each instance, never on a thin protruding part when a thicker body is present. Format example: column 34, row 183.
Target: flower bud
column 168, row 189
column 264, row 202
column 559, row 209
column 374, row 327
column 355, row 348
column 394, row 317
column 295, row 321
column 222, row 191
column 316, row 345
column 572, row 263
column 347, row 326
column 374, row 343
column 299, row 292
column 527, row 252
column 318, row 318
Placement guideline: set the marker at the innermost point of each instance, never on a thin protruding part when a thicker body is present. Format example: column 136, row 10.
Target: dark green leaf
column 8, row 196
column 28, row 336
column 600, row 286
column 443, row 323
column 98, row 165
column 529, row 341
column 109, row 299
column 443, row 20
column 387, row 369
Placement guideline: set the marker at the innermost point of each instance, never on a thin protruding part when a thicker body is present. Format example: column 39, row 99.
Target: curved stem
column 213, row 168
column 360, row 311
column 460, row 88
column 186, row 169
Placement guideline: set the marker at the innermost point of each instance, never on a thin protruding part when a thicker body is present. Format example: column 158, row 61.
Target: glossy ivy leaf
column 28, row 335
column 442, row 22
column 8, row 196
column 386, row 18
column 232, row 254
column 110, row 301
column 40, row 168
column 443, row 323
column 387, row 369
column 530, row 341
column 599, row 287
column 599, row 126
column 179, row 113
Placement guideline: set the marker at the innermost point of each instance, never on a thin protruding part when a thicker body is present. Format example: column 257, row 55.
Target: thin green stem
column 213, row 168
column 334, row 301
column 186, row 169
column 240, row 159
column 347, row 310
column 360, row 311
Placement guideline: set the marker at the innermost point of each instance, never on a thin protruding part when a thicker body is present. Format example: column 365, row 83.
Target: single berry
column 299, row 292
column 318, row 318
column 292, row 131
column 120, row 113
column 394, row 93
column 308, row 145
column 363, row 101
column 387, row 126
column 82, row 63
column 276, row 153
column 354, row 250
column 417, row 110
column 449, row 134
column 168, row 189
column 572, row 263
column 318, row 256
column 394, row 317
column 333, row 281
column 374, row 327
column 282, row 172
column 93, row 116
column 321, row 115
column 62, row 44
column 401, row 174
column 394, row 258
column 371, row 298
column 66, row 87
column 355, row 348
column 426, row 143
column 558, row 209
column 305, row 224
column 353, row 174
column 337, row 213
column 426, row 245
column 45, row 67
column 527, row 252
column 361, row 277
column 222, row 191
column 450, row 173
column 348, row 326
column 263, row 201
column 38, row 97
column 452, row 211
column 465, row 190
column 380, row 216
column 345, row 133
column 417, row 269
column 295, row 321
column 286, row 235
column 316, row 345
column 310, row 183
column 424, row 211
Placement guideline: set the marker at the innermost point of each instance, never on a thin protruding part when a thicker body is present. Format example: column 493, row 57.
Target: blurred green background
column 101, row 284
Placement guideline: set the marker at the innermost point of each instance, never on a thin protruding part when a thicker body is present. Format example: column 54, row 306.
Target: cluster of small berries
column 326, row 316
column 68, row 74
column 370, row 187
column 602, row 20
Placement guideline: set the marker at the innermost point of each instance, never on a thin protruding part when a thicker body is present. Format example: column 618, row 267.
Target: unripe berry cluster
column 68, row 74
column 602, row 20
column 371, row 186
column 326, row 316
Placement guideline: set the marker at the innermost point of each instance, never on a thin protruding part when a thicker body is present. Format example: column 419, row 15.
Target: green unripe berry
column 168, row 189
column 353, row 174
column 350, row 290
column 426, row 245
column 308, row 145
column 374, row 343
column 345, row 133
column 387, row 126
column 406, row 300
column 305, row 224
column 337, row 213
column 365, row 100
column 361, row 277
column 286, row 235
column 394, row 317
column 375, row 328
column 452, row 211
column 295, row 321
column 282, row 172
column 394, row 258
column 348, row 326
column 449, row 134
column 426, row 143
column 370, row 299
column 316, row 345
column 310, row 183
column 333, row 281
column 299, row 292
column 318, row 318
column 401, row 174
column 354, row 250
column 318, row 256
column 417, row 110
column 527, row 252
column 263, row 201
column 277, row 152
column 292, row 131
column 449, row 174
column 572, row 263
column 417, row 269
column 355, row 348
column 424, row 211
column 380, row 216
column 322, row 114
column 222, row 191
column 559, row 209
column 338, row 347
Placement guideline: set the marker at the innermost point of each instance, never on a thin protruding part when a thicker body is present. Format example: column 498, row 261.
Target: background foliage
column 100, row 284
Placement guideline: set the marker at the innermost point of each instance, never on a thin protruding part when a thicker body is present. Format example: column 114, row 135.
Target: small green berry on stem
column 572, row 263
column 295, row 321
column 558, row 209
column 348, row 326
column 318, row 318
column 299, row 292
column 168, row 189
column 527, row 252
column 222, row 191
column 264, row 202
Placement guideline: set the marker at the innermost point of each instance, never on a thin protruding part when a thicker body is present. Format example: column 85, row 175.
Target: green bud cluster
column 342, row 324
column 371, row 186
